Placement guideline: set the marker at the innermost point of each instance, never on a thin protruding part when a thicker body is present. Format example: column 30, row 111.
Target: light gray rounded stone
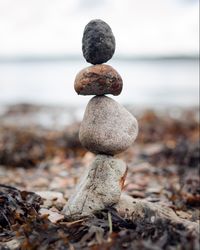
column 98, row 188
column 107, row 127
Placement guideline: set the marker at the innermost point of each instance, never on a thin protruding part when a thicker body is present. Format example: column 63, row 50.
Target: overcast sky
column 141, row 27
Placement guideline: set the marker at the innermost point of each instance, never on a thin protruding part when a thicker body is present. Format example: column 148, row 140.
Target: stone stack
column 107, row 127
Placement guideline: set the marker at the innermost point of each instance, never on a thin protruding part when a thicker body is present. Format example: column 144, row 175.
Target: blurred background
column 157, row 55
column 157, row 50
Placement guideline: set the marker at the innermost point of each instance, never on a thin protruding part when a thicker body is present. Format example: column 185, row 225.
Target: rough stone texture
column 145, row 211
column 98, row 80
column 98, row 42
column 100, row 187
column 107, row 127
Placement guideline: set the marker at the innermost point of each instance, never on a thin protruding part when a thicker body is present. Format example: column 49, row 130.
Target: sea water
column 146, row 83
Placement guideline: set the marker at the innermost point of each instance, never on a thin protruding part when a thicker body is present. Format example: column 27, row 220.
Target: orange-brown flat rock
column 99, row 79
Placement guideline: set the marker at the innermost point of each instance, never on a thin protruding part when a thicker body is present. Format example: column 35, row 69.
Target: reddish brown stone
column 98, row 80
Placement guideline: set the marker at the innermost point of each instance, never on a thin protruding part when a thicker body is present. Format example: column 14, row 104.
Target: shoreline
column 127, row 58
column 57, row 118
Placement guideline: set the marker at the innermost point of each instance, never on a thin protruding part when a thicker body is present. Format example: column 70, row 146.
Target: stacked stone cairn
column 107, row 127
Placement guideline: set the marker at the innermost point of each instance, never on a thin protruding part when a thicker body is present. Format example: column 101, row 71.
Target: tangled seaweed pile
column 21, row 221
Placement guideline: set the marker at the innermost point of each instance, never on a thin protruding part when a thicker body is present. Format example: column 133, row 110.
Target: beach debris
column 51, row 197
column 98, row 42
column 16, row 206
column 107, row 127
column 53, row 216
column 132, row 222
column 138, row 209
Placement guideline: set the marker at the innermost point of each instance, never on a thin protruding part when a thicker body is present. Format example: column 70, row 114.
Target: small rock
column 40, row 182
column 137, row 194
column 107, row 127
column 98, row 42
column 52, row 215
column 12, row 244
column 98, row 80
column 51, row 198
column 153, row 148
column 50, row 195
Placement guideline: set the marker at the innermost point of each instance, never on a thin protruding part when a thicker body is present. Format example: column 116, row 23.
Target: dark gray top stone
column 98, row 42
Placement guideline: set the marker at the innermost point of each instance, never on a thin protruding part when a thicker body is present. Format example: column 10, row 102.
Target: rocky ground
column 41, row 161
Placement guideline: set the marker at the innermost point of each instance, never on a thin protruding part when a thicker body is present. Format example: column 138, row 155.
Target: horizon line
column 68, row 57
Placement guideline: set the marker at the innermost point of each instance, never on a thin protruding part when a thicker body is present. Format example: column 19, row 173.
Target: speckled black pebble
column 98, row 43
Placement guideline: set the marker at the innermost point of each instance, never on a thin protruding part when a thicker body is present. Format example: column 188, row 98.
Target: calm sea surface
column 146, row 83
